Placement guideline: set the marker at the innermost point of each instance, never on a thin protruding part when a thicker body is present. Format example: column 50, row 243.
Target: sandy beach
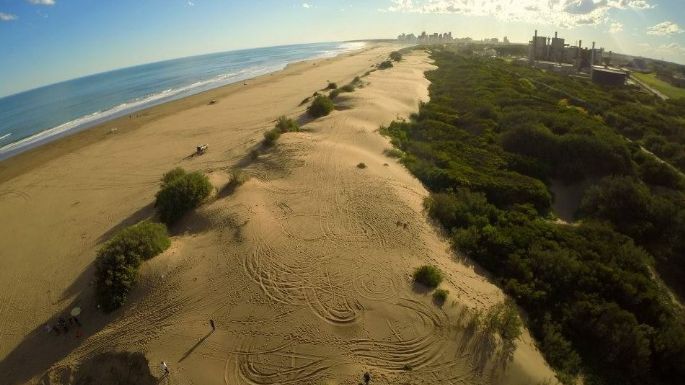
column 305, row 269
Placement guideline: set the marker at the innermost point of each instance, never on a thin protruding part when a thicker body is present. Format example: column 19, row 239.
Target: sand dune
column 305, row 268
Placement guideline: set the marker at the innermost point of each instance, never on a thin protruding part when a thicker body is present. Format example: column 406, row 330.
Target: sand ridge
column 306, row 267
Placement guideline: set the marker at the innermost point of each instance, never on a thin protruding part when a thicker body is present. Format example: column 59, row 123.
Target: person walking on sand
column 165, row 369
column 211, row 323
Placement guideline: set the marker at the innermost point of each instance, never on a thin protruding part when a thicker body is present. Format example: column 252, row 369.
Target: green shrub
column 145, row 240
column 429, row 276
column 361, row 165
column 285, row 124
column 271, row 136
column 172, row 175
column 385, row 65
column 331, row 86
column 116, row 266
column 182, row 195
column 394, row 153
column 505, row 321
column 347, row 88
column 321, row 106
column 395, row 56
column 440, row 296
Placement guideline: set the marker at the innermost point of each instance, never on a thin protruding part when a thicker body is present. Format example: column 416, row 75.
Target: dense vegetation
column 488, row 144
column 396, row 56
column 321, row 106
column 116, row 266
column 179, row 193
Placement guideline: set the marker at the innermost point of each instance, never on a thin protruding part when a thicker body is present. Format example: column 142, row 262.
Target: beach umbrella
column 75, row 311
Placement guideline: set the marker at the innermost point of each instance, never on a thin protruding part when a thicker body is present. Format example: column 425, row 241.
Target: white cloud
column 615, row 27
column 672, row 47
column 306, row 5
column 42, row 2
column 564, row 13
column 636, row 4
column 7, row 17
column 666, row 28
column 190, row 3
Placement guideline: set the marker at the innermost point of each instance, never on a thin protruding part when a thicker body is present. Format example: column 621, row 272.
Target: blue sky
column 45, row 41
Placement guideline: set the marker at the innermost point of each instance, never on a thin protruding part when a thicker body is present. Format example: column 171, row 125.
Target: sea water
column 35, row 117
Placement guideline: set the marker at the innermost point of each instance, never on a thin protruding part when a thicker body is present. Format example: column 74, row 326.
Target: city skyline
column 48, row 41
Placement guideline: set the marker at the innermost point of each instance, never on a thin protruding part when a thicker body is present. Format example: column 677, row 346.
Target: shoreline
column 309, row 256
column 16, row 161
column 61, row 201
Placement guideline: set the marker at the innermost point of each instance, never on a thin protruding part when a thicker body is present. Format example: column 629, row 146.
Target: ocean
column 35, row 117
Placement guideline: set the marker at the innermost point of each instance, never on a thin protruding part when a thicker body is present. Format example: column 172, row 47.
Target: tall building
column 556, row 50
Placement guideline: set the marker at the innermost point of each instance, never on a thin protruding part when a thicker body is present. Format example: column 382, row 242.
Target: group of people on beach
column 63, row 325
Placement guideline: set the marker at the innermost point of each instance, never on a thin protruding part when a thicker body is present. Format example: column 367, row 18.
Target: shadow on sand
column 197, row 344
column 106, row 368
column 40, row 349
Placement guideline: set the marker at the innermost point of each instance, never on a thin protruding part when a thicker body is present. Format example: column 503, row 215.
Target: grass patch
column 116, row 266
column 321, row 106
column 429, row 276
column 664, row 87
column 181, row 192
column 271, row 136
column 285, row 124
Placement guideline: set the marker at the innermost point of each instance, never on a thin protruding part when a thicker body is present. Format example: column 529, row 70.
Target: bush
column 334, row 94
column 331, row 86
column 238, row 178
column 347, row 88
column 321, row 106
column 271, row 136
column 385, row 65
column 504, row 320
column 145, row 240
column 173, row 175
column 287, row 125
column 429, row 276
column 440, row 296
column 395, row 56
column 116, row 266
column 361, row 165
column 181, row 195
column 394, row 153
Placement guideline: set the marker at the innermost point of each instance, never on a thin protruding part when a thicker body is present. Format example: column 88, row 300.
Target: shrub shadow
column 145, row 212
column 420, row 288
column 106, row 368
column 40, row 349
